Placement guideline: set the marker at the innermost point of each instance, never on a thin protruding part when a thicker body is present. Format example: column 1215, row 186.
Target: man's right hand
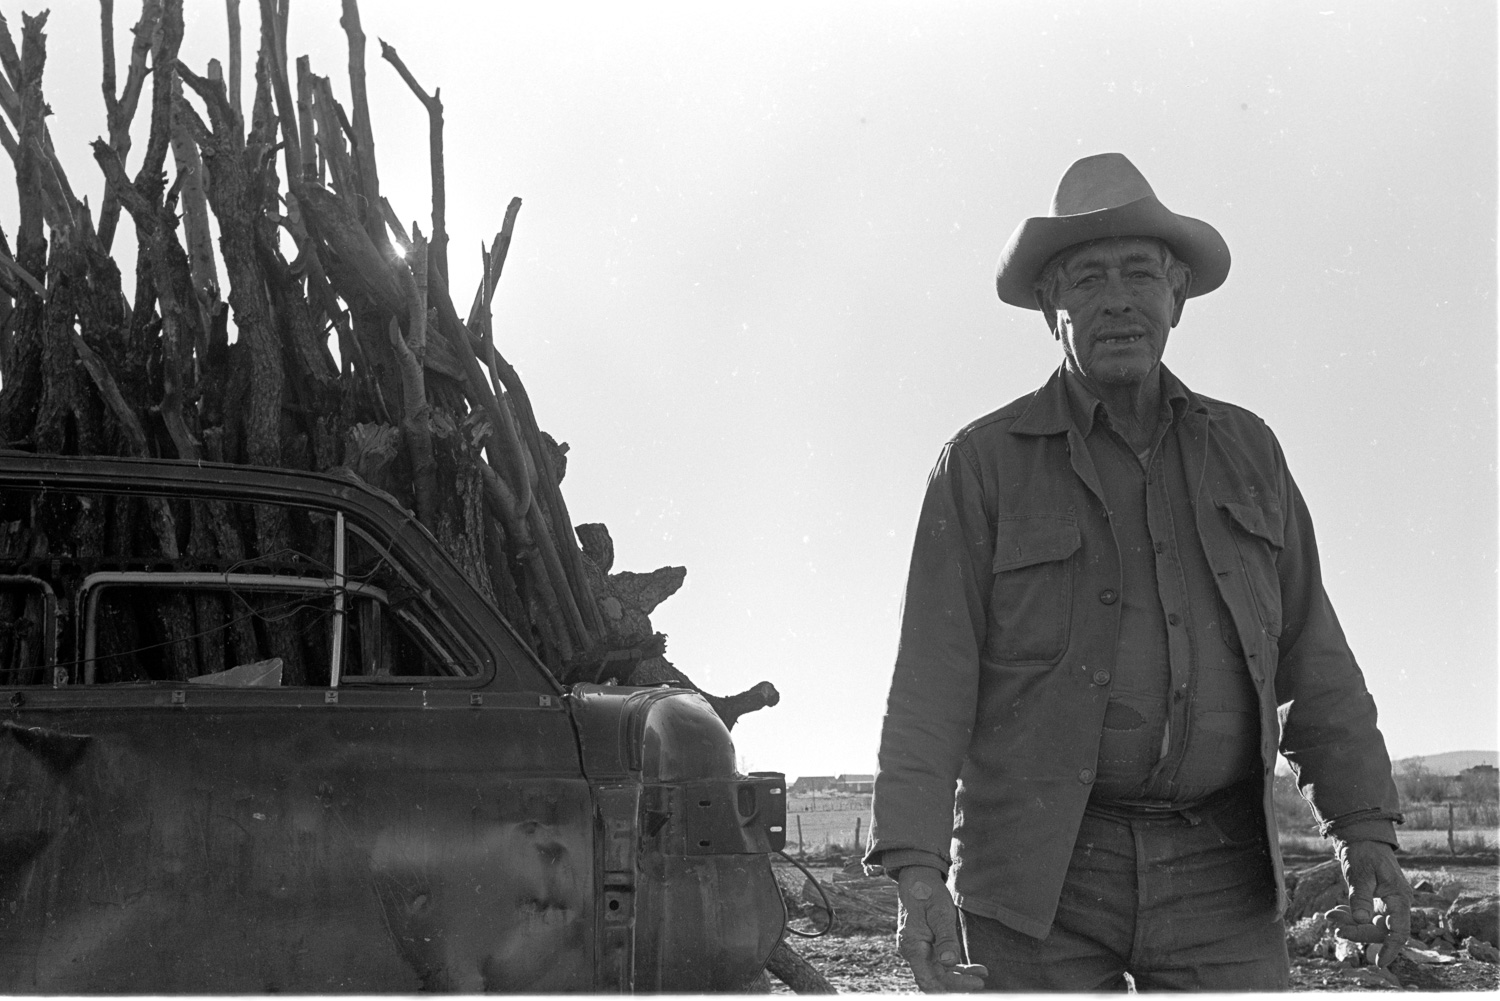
column 927, row 933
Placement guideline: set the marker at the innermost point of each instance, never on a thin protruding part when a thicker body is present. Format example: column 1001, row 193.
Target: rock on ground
column 1318, row 889
column 1476, row 916
column 1304, row 935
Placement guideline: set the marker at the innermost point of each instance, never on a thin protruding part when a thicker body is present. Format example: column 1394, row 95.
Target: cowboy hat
column 1099, row 197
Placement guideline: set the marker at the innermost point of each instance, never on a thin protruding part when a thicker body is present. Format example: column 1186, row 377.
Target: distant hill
column 1452, row 762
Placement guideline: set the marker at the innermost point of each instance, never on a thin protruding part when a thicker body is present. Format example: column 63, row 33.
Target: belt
column 1189, row 811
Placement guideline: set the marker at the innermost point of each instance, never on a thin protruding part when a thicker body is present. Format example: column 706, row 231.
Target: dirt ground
column 859, row 955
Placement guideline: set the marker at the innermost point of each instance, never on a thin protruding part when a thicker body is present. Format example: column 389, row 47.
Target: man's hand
column 1371, row 871
column 927, row 933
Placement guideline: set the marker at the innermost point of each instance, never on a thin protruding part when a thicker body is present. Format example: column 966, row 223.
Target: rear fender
column 690, row 903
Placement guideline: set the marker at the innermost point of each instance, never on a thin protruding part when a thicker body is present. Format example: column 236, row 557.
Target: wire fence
column 828, row 803
column 1441, row 816
column 827, row 826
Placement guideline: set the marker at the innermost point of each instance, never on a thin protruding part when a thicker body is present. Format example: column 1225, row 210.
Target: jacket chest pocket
column 1031, row 605
column 1259, row 540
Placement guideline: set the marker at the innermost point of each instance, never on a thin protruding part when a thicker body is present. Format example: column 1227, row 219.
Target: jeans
column 1181, row 901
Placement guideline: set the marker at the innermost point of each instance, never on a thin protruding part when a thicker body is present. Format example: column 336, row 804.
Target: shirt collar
column 1065, row 402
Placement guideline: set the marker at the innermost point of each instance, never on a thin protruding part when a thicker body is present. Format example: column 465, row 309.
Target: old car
column 261, row 734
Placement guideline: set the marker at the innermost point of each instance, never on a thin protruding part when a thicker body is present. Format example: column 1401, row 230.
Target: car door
column 329, row 767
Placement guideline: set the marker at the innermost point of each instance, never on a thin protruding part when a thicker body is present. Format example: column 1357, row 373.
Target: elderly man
column 1114, row 617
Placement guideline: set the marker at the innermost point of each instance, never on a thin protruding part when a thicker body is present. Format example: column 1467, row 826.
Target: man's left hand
column 1372, row 872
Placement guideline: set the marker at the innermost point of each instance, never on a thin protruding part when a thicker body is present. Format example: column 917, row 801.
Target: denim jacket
column 1008, row 638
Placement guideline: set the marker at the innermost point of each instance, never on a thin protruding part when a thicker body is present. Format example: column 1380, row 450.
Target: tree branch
column 434, row 106
column 194, row 200
column 60, row 209
column 232, row 13
column 31, row 245
column 10, row 62
column 107, row 43
column 356, row 265
column 416, row 415
column 135, row 76
column 119, row 110
column 305, row 139
column 494, row 263
column 16, row 271
column 330, row 140
column 221, row 115
column 116, row 180
column 135, row 434
column 272, row 26
column 151, row 179
column 364, row 135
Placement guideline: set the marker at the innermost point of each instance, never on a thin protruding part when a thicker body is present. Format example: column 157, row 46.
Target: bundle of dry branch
column 418, row 402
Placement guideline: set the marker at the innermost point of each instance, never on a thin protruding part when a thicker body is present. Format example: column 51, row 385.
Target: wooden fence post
column 856, row 836
column 1451, row 849
column 800, row 850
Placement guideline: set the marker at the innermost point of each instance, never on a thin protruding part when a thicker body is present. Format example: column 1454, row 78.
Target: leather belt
column 1189, row 811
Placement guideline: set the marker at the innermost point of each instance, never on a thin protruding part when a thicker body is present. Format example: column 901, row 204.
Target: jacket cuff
column 895, row 859
column 1364, row 825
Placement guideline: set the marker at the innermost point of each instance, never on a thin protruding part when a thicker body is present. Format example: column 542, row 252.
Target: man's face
column 1114, row 309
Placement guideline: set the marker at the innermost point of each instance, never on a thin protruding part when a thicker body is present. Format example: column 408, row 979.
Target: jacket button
column 1101, row 677
column 1108, row 597
column 1161, row 547
column 1086, row 776
column 1174, row 618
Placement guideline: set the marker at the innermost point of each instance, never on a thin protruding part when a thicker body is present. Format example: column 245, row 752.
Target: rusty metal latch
column 732, row 816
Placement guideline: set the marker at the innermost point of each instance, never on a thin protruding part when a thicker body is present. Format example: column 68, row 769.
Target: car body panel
column 307, row 849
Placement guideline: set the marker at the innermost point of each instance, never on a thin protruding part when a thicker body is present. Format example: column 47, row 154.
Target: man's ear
column 1050, row 315
column 1179, row 299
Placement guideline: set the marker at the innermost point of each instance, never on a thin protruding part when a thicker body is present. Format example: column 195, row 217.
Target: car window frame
column 508, row 664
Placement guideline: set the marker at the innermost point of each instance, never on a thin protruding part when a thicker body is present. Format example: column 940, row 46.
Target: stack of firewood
column 418, row 401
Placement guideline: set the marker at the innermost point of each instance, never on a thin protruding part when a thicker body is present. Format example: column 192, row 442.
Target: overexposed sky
column 752, row 285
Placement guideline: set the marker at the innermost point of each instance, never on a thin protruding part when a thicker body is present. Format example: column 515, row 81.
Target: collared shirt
column 1008, row 649
column 1181, row 723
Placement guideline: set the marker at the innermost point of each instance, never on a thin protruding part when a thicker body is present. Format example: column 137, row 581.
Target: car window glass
column 28, row 617
column 110, row 589
column 252, row 630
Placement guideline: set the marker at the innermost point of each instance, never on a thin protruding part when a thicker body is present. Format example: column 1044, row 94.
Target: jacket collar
column 1051, row 410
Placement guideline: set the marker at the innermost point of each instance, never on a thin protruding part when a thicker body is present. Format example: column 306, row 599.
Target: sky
column 751, row 285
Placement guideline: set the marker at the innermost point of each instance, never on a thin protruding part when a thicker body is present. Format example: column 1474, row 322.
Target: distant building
column 1487, row 774
column 806, row 785
column 1481, row 782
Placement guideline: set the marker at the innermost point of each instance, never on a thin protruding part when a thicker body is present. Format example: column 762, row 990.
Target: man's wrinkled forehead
column 1097, row 253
